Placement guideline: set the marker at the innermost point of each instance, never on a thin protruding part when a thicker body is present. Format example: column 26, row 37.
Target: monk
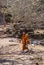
column 25, row 41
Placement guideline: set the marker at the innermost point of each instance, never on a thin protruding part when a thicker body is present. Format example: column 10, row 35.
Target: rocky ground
column 26, row 12
column 10, row 53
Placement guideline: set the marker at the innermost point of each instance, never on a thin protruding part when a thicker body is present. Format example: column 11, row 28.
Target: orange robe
column 25, row 41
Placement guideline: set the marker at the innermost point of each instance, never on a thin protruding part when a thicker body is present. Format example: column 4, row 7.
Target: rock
column 7, row 63
column 27, row 12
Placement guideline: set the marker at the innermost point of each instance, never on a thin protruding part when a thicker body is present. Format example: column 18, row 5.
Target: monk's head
column 23, row 33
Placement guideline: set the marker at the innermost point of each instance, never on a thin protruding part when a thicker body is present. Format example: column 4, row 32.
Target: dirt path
column 10, row 53
column 37, row 47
